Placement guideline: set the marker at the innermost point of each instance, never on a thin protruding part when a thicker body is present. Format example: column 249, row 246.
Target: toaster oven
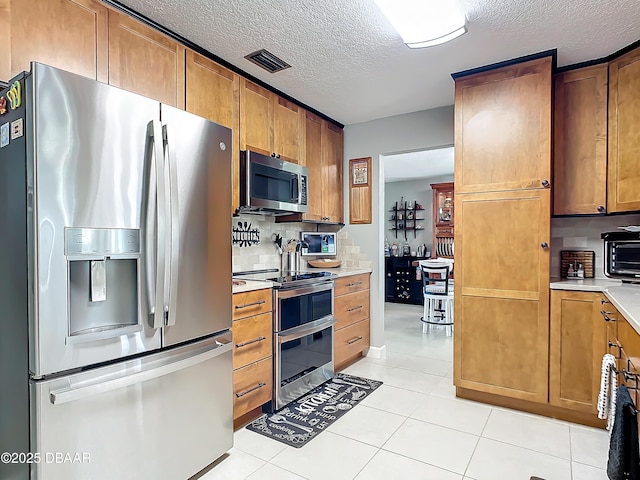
column 622, row 255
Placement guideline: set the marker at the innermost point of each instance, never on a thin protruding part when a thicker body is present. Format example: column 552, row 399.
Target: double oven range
column 302, row 332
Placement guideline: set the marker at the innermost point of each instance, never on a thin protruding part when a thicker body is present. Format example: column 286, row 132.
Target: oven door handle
column 297, row 332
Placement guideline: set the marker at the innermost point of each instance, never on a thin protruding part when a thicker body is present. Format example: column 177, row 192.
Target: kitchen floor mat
column 302, row 420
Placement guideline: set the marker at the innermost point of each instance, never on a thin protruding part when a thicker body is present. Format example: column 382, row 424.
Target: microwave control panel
column 303, row 193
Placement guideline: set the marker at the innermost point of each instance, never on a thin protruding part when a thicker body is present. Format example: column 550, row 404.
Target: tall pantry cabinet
column 502, row 230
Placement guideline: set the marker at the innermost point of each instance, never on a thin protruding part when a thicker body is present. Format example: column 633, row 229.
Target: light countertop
column 584, row 285
column 251, row 285
column 625, row 297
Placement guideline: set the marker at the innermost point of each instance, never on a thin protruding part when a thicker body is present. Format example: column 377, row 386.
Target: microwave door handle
column 173, row 238
column 154, row 236
column 295, row 190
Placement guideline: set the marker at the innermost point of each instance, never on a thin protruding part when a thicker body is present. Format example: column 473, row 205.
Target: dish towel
column 624, row 457
column 608, row 386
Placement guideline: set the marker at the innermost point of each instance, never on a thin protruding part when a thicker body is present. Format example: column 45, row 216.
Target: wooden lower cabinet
column 578, row 339
column 350, row 343
column 502, row 294
column 252, row 351
column 351, row 310
column 252, row 339
column 252, row 386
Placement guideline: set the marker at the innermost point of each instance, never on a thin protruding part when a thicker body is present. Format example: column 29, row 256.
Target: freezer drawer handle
column 354, row 340
column 354, row 284
column 246, row 392
column 70, row 394
column 251, row 304
column 354, row 308
column 259, row 339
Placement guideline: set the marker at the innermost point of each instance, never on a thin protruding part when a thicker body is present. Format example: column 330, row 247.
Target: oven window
column 303, row 355
column 269, row 183
column 625, row 257
column 305, row 308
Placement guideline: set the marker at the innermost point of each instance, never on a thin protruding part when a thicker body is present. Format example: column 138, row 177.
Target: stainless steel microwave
column 271, row 186
column 622, row 255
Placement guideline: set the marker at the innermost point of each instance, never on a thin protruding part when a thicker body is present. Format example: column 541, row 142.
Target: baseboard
column 377, row 352
column 543, row 409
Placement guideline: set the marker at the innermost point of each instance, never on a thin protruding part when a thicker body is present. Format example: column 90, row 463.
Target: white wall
column 422, row 130
column 420, row 191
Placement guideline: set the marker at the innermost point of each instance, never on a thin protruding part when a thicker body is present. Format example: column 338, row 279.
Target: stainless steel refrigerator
column 115, row 284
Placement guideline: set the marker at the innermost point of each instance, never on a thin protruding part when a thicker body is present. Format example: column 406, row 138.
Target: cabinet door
column 256, row 118
column 313, row 158
column 67, row 34
column 212, row 92
column 332, row 188
column 288, row 126
column 577, row 341
column 144, row 61
column 502, row 293
column 624, row 133
column 580, row 142
column 503, row 128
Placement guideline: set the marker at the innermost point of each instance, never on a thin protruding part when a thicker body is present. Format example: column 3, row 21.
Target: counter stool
column 438, row 297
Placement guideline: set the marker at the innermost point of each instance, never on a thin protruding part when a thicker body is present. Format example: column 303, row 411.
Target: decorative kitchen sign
column 360, row 190
column 304, row 419
column 245, row 236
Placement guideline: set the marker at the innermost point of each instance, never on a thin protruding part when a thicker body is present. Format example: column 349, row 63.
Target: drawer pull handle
column 246, row 392
column 354, row 340
column 604, row 300
column 354, row 308
column 611, row 344
column 606, row 316
column 354, row 284
column 259, row 339
column 251, row 304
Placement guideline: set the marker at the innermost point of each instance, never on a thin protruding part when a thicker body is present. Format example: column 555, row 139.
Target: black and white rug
column 304, row 419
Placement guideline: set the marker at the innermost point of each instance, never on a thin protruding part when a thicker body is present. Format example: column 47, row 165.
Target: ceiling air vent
column 267, row 60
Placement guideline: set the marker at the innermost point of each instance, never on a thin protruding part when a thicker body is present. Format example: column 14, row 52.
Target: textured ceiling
column 414, row 165
column 349, row 63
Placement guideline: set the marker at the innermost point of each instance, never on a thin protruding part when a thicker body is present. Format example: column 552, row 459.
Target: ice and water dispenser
column 102, row 277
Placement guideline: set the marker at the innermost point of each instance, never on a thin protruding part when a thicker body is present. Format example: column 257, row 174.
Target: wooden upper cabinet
column 580, row 141
column 270, row 124
column 332, row 164
column 256, row 118
column 313, row 156
column 502, row 293
column 68, row 34
column 578, row 342
column 288, row 127
column 144, row 61
column 212, row 92
column 624, row 133
column 503, row 128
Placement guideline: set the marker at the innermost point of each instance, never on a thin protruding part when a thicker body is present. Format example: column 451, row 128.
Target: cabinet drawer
column 350, row 342
column 252, row 386
column 351, row 308
column 252, row 339
column 246, row 304
column 352, row 283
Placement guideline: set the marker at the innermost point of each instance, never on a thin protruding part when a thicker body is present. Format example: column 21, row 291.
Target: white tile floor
column 413, row 427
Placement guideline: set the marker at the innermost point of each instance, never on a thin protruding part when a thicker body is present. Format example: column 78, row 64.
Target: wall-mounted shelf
column 405, row 218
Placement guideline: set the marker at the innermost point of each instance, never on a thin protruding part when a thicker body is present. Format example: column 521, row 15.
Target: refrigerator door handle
column 171, row 278
column 155, row 280
column 72, row 394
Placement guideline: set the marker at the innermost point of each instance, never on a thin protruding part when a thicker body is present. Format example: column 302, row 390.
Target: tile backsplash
column 265, row 255
column 583, row 233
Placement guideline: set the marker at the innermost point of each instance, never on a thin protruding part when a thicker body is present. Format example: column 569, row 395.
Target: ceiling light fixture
column 424, row 23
